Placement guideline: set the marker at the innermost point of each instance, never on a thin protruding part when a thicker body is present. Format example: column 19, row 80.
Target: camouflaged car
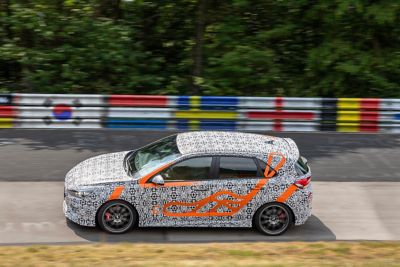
column 194, row 179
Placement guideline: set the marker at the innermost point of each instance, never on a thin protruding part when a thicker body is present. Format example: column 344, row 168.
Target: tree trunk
column 8, row 66
column 110, row 9
column 198, row 46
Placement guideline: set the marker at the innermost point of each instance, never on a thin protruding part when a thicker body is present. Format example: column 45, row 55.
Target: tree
column 340, row 48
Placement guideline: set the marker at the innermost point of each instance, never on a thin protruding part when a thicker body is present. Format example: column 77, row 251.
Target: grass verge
column 215, row 254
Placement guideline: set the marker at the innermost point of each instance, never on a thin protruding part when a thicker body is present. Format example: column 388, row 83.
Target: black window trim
column 214, row 168
column 257, row 161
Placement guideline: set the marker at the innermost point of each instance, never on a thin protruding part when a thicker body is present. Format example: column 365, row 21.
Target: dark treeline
column 332, row 48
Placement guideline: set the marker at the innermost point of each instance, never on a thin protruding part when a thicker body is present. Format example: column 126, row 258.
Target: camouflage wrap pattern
column 99, row 176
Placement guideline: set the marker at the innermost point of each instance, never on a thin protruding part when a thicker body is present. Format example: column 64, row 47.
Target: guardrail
column 199, row 112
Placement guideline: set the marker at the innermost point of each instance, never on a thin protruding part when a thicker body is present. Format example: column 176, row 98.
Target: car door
column 183, row 200
column 238, row 181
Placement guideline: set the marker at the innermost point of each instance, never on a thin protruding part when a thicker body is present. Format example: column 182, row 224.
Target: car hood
column 100, row 169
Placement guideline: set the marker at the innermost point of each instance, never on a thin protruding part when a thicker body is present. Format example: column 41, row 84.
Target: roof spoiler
column 292, row 147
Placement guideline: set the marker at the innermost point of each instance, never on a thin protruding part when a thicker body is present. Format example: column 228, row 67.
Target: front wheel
column 116, row 217
column 273, row 219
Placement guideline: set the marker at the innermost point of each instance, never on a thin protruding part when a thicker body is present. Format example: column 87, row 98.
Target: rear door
column 238, row 181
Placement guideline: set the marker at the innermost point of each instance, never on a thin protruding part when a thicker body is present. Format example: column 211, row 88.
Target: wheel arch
column 274, row 202
column 117, row 200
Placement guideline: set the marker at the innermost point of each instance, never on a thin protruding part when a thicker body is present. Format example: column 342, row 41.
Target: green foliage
column 332, row 48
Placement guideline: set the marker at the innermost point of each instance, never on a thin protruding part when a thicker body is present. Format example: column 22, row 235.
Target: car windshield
column 151, row 156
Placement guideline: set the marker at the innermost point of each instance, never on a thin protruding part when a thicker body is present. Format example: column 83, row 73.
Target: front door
column 184, row 198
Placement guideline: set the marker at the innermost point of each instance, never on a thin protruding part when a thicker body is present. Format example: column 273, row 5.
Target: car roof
column 235, row 143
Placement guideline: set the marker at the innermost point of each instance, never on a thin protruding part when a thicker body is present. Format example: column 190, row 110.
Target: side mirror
column 304, row 160
column 158, row 180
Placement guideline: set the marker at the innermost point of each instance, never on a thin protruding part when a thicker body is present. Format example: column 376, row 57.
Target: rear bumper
column 301, row 204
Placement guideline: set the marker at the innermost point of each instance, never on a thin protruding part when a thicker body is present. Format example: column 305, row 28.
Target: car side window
column 263, row 165
column 188, row 170
column 237, row 167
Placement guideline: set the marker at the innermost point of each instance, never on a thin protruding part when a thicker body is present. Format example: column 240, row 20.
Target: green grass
column 214, row 254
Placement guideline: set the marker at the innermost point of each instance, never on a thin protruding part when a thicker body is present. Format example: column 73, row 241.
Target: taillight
column 303, row 182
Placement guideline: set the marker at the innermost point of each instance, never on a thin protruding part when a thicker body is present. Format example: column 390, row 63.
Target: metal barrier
column 199, row 112
column 7, row 114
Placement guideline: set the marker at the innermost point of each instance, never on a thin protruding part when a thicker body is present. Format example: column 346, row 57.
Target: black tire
column 117, row 217
column 273, row 219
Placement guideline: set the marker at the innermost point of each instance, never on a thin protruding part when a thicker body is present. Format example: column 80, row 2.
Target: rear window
column 301, row 166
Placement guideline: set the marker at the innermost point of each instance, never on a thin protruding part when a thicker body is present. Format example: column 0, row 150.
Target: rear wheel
column 117, row 217
column 273, row 219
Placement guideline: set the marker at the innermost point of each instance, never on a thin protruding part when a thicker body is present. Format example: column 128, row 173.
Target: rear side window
column 236, row 167
column 301, row 167
column 263, row 165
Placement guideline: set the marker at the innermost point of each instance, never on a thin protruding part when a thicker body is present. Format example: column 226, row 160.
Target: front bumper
column 80, row 211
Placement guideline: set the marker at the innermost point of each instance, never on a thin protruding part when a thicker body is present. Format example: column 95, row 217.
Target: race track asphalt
column 355, row 177
column 46, row 155
column 31, row 212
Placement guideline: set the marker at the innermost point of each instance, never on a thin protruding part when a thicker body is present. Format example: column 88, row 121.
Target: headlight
column 79, row 194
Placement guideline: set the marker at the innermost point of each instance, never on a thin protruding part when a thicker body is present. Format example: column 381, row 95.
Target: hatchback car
column 194, row 179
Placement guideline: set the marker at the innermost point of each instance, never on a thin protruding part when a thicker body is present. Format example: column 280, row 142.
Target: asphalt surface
column 47, row 155
column 31, row 212
column 355, row 179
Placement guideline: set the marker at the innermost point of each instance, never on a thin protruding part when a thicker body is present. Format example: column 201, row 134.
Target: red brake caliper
column 282, row 216
column 108, row 216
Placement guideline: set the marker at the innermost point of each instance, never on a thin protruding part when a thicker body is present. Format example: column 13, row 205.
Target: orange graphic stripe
column 233, row 205
column 269, row 172
column 287, row 193
column 145, row 178
column 116, row 193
